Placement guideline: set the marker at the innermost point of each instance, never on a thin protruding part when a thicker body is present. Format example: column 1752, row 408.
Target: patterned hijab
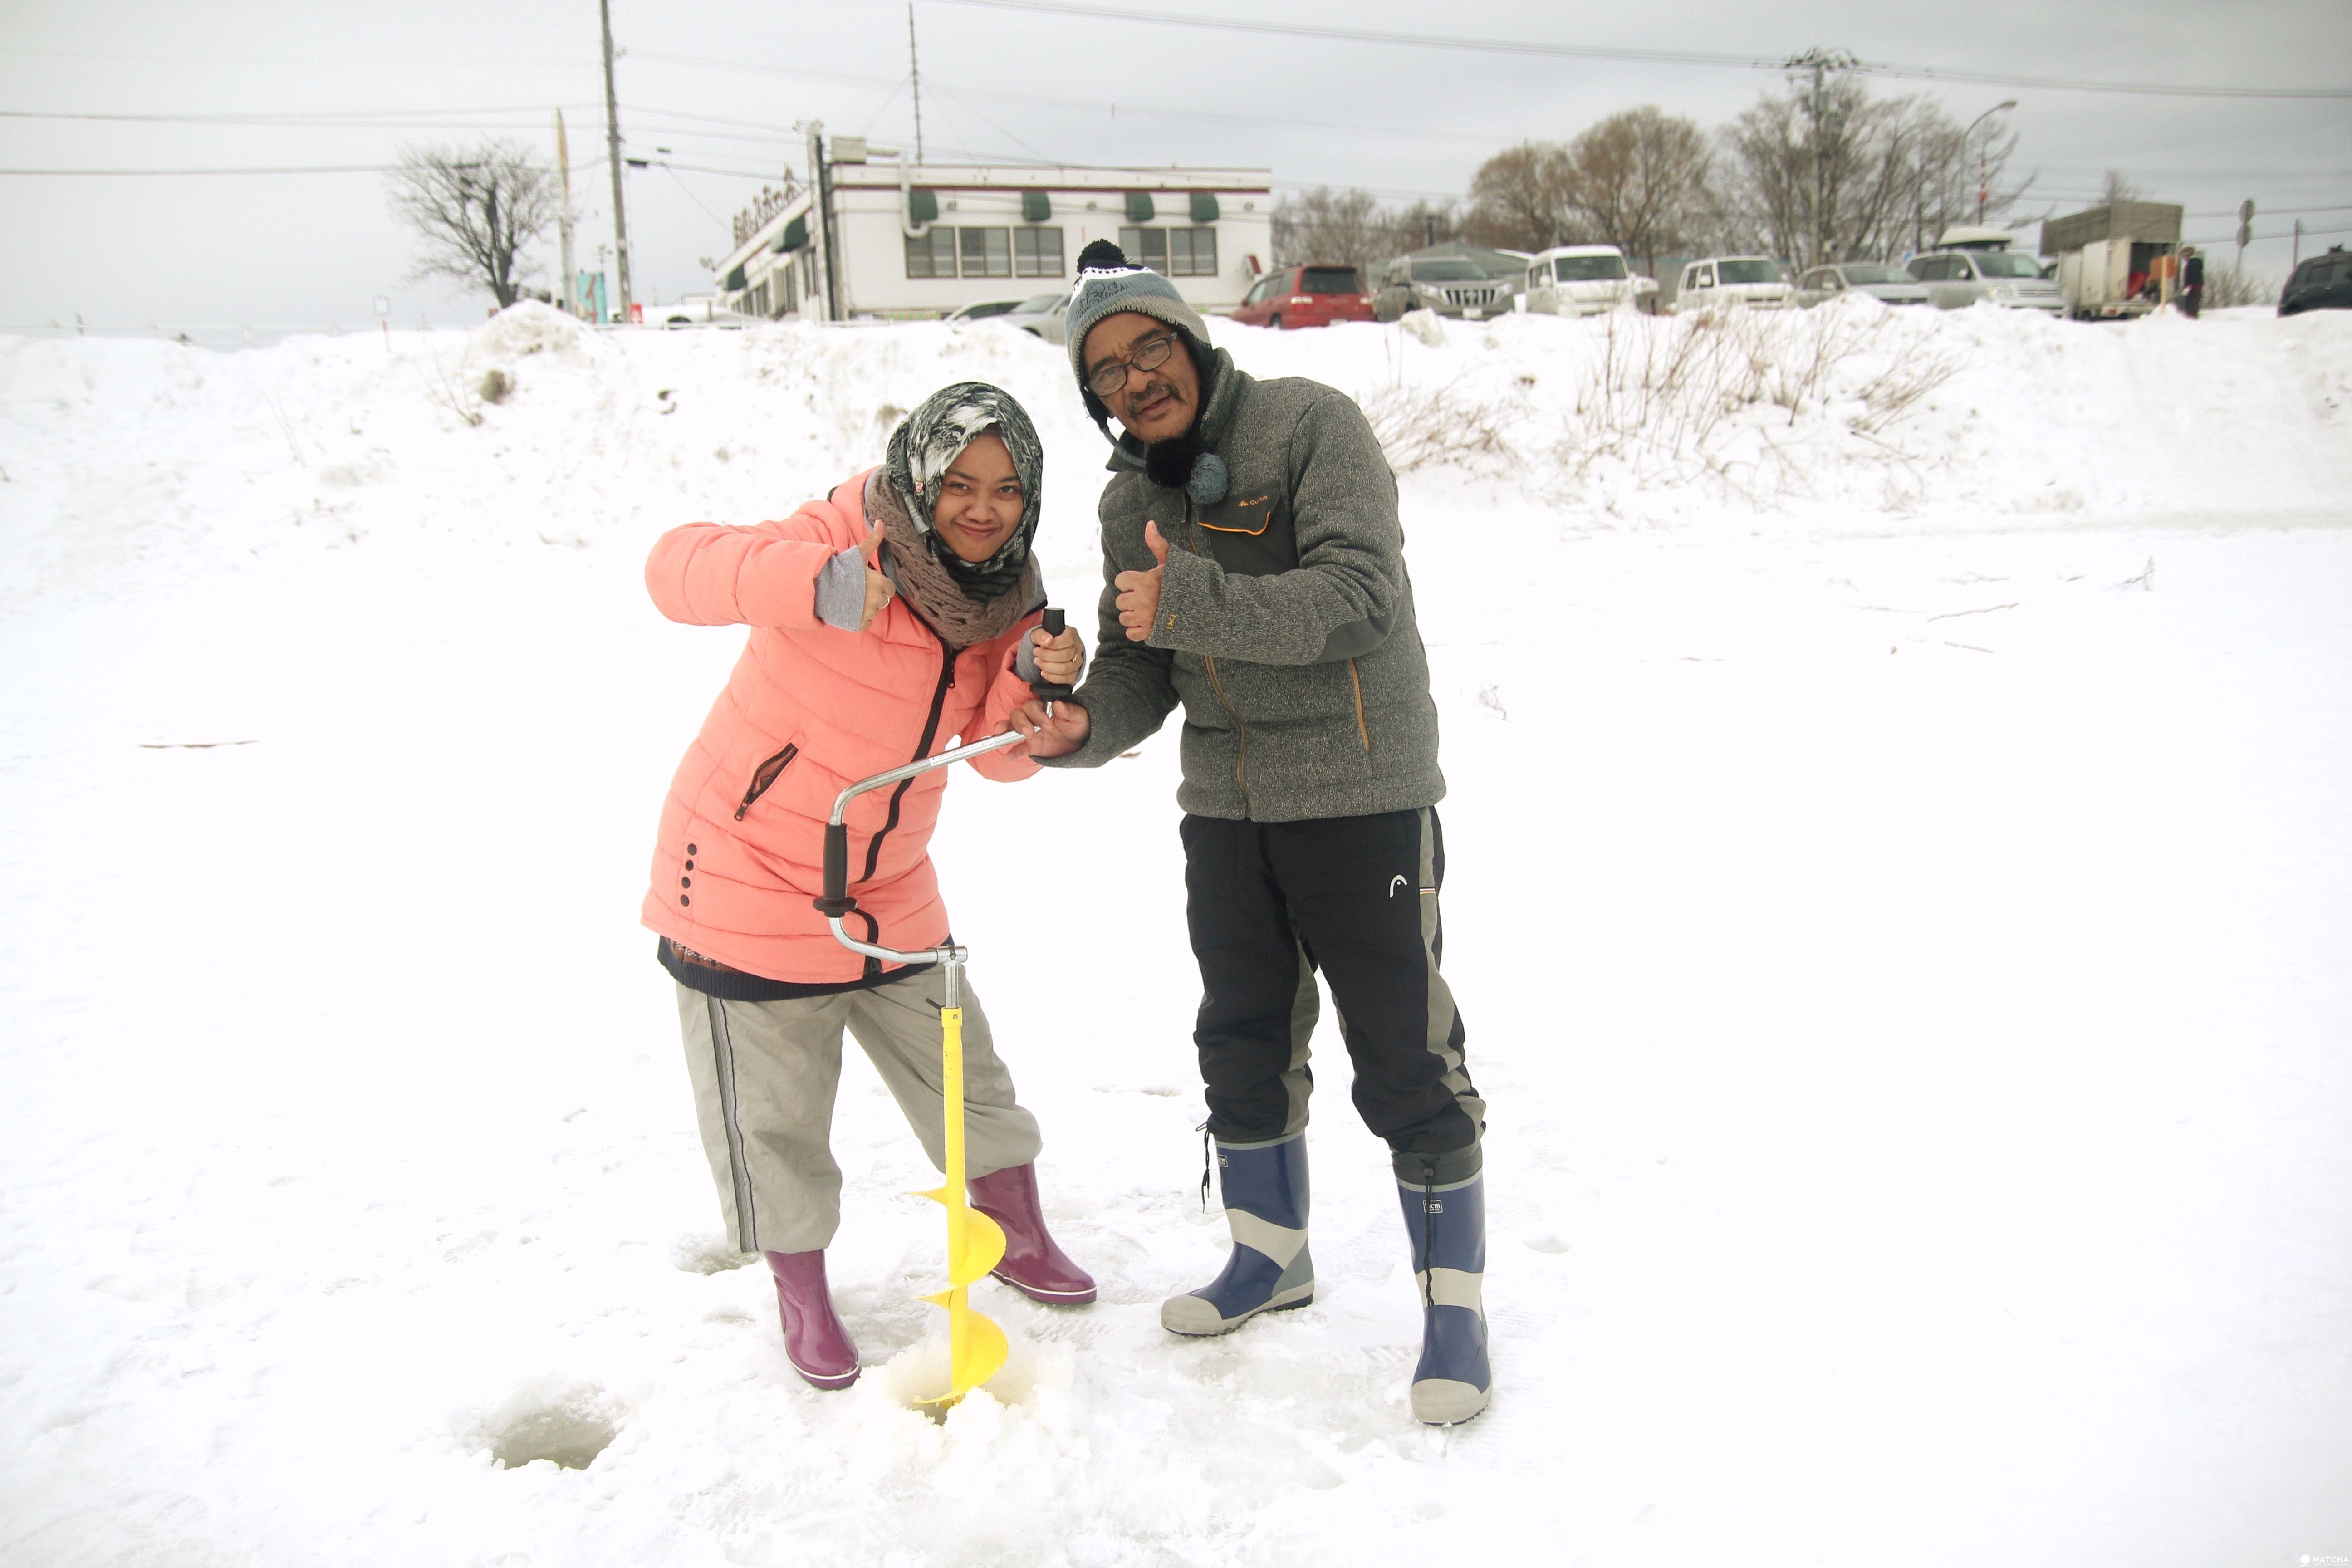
column 932, row 437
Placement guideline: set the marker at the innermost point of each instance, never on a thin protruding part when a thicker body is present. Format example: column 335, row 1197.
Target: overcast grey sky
column 315, row 249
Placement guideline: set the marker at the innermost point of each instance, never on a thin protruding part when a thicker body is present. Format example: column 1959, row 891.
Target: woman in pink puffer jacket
column 888, row 619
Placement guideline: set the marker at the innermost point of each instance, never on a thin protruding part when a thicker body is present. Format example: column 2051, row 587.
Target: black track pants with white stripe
column 1268, row 904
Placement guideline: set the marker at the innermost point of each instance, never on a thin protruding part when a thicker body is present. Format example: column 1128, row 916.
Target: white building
column 879, row 235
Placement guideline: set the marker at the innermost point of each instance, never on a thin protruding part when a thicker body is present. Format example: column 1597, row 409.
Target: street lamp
column 1983, row 176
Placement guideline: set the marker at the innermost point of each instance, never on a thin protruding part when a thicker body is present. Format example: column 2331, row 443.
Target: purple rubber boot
column 814, row 1342
column 1032, row 1264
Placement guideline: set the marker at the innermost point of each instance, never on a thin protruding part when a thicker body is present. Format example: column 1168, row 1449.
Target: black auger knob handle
column 837, row 900
column 1047, row 690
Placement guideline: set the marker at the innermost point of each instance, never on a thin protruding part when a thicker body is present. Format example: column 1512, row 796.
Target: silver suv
column 1955, row 279
column 1446, row 284
column 1887, row 285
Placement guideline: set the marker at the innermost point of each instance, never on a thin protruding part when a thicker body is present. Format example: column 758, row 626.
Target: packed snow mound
column 1852, row 418
column 528, row 327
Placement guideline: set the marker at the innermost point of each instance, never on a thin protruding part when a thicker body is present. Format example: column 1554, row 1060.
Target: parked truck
column 2107, row 256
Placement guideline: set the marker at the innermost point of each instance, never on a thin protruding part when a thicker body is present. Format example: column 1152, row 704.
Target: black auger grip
column 1045, row 691
column 837, row 901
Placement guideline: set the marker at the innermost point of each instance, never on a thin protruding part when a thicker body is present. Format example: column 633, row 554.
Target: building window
column 987, row 252
column 1192, row 253
column 931, row 254
column 1172, row 252
column 1036, row 253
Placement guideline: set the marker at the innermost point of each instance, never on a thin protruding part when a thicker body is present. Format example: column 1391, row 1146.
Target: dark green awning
column 1204, row 207
column 1036, row 206
column 922, row 207
column 1138, row 207
column 795, row 234
column 734, row 283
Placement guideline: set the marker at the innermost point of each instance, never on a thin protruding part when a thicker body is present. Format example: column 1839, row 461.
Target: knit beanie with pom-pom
column 1108, row 284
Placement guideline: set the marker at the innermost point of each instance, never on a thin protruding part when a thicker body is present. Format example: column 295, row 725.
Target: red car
column 1305, row 297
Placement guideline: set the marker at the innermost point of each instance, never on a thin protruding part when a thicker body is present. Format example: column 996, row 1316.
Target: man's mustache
column 1152, row 389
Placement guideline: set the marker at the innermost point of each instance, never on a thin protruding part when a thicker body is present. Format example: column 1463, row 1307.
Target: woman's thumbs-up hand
column 879, row 589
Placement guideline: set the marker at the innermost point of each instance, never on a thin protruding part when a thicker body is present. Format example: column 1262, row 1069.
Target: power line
column 180, row 59
column 403, row 120
column 1653, row 57
column 356, row 119
column 317, row 169
column 1094, row 106
column 1374, row 35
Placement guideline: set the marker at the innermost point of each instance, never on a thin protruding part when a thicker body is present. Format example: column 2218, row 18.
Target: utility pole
column 613, row 156
column 820, row 204
column 1825, row 128
column 1984, row 154
column 915, row 74
column 563, row 217
column 1820, row 166
column 2245, row 231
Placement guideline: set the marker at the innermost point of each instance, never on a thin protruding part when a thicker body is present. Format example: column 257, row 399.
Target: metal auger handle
column 837, row 902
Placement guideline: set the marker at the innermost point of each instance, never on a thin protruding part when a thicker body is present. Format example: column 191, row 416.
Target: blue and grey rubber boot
column 1265, row 1189
column 1447, row 1222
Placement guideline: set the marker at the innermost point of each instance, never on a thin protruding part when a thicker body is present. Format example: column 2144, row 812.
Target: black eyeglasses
column 1149, row 354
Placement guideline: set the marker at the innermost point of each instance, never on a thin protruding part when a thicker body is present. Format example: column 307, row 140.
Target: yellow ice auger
column 976, row 1346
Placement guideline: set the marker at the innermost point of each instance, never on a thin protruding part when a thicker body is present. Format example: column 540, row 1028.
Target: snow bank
column 1850, row 417
column 1897, row 887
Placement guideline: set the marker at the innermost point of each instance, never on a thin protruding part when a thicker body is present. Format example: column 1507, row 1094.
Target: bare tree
column 1425, row 222
column 1519, row 198
column 474, row 209
column 1325, row 225
column 1638, row 179
column 1351, row 226
column 1868, row 178
column 2117, row 188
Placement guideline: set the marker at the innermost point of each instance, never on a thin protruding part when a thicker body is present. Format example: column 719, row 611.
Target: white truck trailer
column 2107, row 256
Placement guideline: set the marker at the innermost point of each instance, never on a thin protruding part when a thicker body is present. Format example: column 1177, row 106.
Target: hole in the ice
column 565, row 1424
column 914, row 1378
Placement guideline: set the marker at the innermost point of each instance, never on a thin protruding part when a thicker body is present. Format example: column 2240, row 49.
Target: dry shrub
column 1667, row 394
column 2226, row 287
column 451, row 389
column 1434, row 426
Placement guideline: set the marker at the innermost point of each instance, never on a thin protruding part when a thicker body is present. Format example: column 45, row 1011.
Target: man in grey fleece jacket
column 1254, row 573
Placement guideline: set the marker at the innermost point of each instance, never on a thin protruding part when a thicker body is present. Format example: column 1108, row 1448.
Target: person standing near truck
column 1254, row 573
column 2192, row 281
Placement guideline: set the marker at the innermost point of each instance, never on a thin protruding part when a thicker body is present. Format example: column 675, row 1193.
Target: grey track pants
column 764, row 1076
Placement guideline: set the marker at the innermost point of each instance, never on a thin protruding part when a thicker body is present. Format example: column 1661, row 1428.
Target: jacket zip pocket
column 766, row 775
column 1241, row 734
column 1357, row 682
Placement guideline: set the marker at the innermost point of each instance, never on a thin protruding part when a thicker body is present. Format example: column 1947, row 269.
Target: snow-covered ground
column 1900, row 887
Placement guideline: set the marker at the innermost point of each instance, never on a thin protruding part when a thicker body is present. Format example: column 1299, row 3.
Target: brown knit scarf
column 960, row 619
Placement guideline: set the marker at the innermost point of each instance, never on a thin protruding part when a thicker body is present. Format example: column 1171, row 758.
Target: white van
column 1754, row 282
column 1583, row 279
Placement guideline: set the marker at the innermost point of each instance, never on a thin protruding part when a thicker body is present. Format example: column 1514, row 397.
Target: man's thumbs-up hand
column 1139, row 591
column 879, row 587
